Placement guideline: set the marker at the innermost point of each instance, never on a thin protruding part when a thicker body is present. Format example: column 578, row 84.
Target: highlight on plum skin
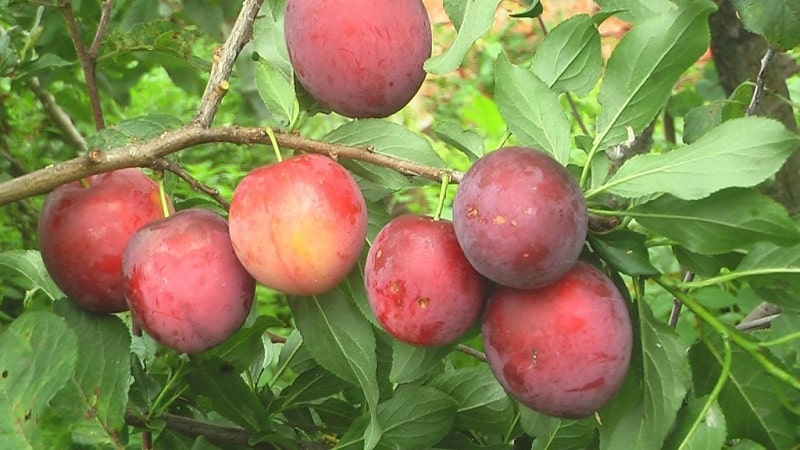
column 183, row 282
column 561, row 349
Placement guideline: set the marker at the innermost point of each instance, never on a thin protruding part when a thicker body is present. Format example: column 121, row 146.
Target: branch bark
column 142, row 154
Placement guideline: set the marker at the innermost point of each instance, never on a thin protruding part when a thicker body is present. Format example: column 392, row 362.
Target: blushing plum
column 420, row 286
column 184, row 284
column 562, row 349
column 520, row 217
column 360, row 58
column 83, row 231
column 299, row 226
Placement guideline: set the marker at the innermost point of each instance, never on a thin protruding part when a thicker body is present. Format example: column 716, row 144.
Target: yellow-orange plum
column 299, row 226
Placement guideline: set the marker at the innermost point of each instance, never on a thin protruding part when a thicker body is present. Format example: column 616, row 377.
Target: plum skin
column 184, row 284
column 419, row 285
column 299, row 226
column 562, row 349
column 520, row 217
column 83, row 232
column 360, row 58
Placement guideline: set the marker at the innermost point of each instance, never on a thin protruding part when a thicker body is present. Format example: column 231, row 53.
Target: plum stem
column 274, row 143
column 84, row 182
column 162, row 195
column 442, row 196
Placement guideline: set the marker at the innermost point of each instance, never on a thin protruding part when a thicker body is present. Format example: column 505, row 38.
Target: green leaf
column 132, row 130
column 217, row 380
column 569, row 58
column 274, row 73
column 37, row 358
column 645, row 66
column 483, row 405
column 468, row 141
column 751, row 399
column 702, row 119
column 29, row 264
column 160, row 36
column 657, row 383
column 532, row 11
column 310, row 387
column 411, row 363
column 777, row 20
column 247, row 348
column 710, row 433
column 625, row 250
column 417, row 417
column 774, row 271
column 472, row 19
column 341, row 340
column 636, row 11
column 738, row 153
column 386, row 138
column 95, row 398
column 531, row 110
column 725, row 221
column 552, row 433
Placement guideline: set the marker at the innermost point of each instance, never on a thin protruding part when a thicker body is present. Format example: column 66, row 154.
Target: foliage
column 319, row 371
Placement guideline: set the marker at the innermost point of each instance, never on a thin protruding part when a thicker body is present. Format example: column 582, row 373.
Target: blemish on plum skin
column 423, row 302
column 594, row 384
column 499, row 220
column 472, row 212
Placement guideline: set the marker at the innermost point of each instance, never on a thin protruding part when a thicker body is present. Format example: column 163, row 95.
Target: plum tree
column 83, row 231
column 562, row 349
column 419, row 285
column 183, row 282
column 299, row 226
column 360, row 58
column 520, row 217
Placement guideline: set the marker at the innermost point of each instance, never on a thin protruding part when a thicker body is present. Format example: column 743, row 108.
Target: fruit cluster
column 189, row 278
column 556, row 331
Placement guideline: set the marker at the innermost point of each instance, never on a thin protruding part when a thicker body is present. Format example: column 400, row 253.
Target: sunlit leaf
column 472, row 19
column 739, row 153
column 29, row 264
column 777, row 20
column 531, row 110
column 569, row 58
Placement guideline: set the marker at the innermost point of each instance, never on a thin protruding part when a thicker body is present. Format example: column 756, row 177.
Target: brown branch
column 142, row 154
column 224, row 60
column 87, row 64
column 102, row 27
column 166, row 164
column 480, row 356
column 60, row 118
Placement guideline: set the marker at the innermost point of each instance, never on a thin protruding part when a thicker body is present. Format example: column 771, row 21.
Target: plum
column 562, row 349
column 299, row 226
column 360, row 58
column 520, row 217
column 420, row 286
column 184, row 284
column 83, row 231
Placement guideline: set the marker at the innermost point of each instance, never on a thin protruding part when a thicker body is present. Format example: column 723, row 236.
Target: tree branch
column 224, row 60
column 87, row 64
column 142, row 154
column 102, row 27
column 61, row 119
column 761, row 80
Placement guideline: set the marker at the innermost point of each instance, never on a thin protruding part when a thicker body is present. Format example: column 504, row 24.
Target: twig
column 166, row 164
column 143, row 153
column 217, row 86
column 675, row 314
column 757, row 324
column 480, row 356
column 761, row 80
column 60, row 118
column 87, row 64
column 102, row 27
